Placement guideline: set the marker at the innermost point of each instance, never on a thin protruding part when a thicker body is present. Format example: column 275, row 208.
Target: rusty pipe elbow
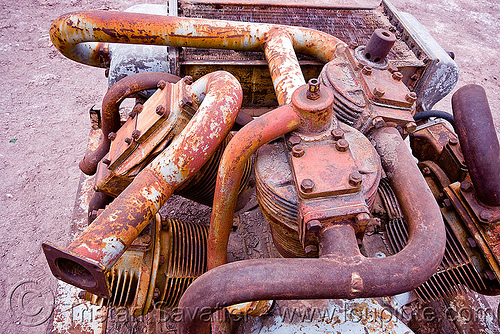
column 84, row 262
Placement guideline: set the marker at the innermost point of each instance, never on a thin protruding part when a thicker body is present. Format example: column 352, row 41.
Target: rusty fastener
column 362, row 218
column 298, row 151
column 426, row 171
column 161, row 260
column 411, row 97
column 453, row 141
column 161, row 84
column 392, row 68
column 313, row 91
column 81, row 294
column 466, row 186
column 136, row 134
column 128, row 140
column 411, row 127
column 397, row 76
column 307, row 185
column 160, row 110
column 132, row 114
column 342, row 145
column 488, row 274
column 378, row 122
column 378, row 92
column 93, row 214
column 156, row 293
column 112, row 136
column 447, row 203
column 294, row 140
column 138, row 108
column 188, row 79
column 313, row 226
column 367, row 70
column 355, row 179
column 414, row 77
column 486, row 215
column 310, row 249
column 472, row 242
column 106, row 161
column 337, row 133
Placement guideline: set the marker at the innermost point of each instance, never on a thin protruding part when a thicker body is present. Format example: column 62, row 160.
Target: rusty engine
column 310, row 119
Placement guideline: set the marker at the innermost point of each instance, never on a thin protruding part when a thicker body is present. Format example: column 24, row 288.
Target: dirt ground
column 45, row 100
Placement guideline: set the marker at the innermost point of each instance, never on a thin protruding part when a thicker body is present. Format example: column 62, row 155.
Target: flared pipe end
column 81, row 272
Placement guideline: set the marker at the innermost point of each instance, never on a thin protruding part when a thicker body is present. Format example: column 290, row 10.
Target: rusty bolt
column 298, row 151
column 378, row 91
column 447, row 203
column 307, row 185
column 106, row 161
column 392, row 68
column 160, row 110
column 426, row 171
column 472, row 242
column 94, row 214
column 411, row 127
column 81, row 294
column 355, row 179
column 313, row 91
column 488, row 274
column 310, row 249
column 161, row 260
column 161, row 84
column 362, row 218
column 378, row 122
column 112, row 136
column 136, row 134
column 337, row 133
column 156, row 293
column 411, row 97
column 466, row 186
column 367, row 70
column 188, row 79
column 414, row 77
column 453, row 141
column 313, row 226
column 294, row 140
column 397, row 76
column 486, row 215
column 128, row 140
column 138, row 108
column 132, row 114
column 342, row 145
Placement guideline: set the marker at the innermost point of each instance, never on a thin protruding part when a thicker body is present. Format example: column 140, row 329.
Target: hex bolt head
column 378, row 91
column 307, row 185
column 313, row 226
column 397, row 76
column 156, row 293
column 337, row 133
column 298, row 151
column 411, row 97
column 313, row 91
column 426, row 171
column 466, row 186
column 132, row 114
column 378, row 122
column 392, row 68
column 294, row 140
column 81, row 294
column 138, row 108
column 472, row 242
column 367, row 70
column 112, row 136
column 453, row 141
column 160, row 110
column 128, row 140
column 161, row 84
column 355, row 179
column 106, row 161
column 411, row 127
column 488, row 274
column 310, row 249
column 161, row 260
column 414, row 77
column 342, row 145
column 362, row 218
column 136, row 134
column 188, row 79
column 486, row 215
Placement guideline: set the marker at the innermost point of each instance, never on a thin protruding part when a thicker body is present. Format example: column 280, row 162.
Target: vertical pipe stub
column 313, row 91
column 379, row 45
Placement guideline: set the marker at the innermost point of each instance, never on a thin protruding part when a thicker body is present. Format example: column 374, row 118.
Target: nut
column 411, row 97
column 378, row 91
column 294, row 140
column 313, row 226
column 188, row 79
column 337, row 133
column 313, row 91
column 298, row 151
column 136, row 134
column 392, row 68
column 132, row 114
column 342, row 145
column 411, row 127
column 472, row 242
column 156, row 293
column 128, row 140
column 160, row 110
column 367, row 70
column 355, row 179
column 486, row 215
column 426, row 171
column 161, row 260
column 310, row 249
column 106, row 161
column 397, row 76
column 161, row 84
column 453, row 141
column 466, row 186
column 378, row 122
column 307, row 185
column 112, row 136
column 362, row 218
column 138, row 108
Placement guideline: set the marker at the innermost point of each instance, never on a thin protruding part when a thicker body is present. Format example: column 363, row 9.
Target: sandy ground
column 45, row 100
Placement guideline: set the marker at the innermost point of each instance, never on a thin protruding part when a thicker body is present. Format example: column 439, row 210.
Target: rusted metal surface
column 242, row 146
column 354, row 275
column 479, row 142
column 110, row 118
column 357, row 4
column 84, row 262
column 379, row 46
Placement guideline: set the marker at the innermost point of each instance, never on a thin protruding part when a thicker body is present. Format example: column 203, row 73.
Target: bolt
column 466, row 186
column 447, row 203
column 81, row 294
column 472, row 242
column 411, row 97
column 310, row 249
column 392, row 68
column 367, row 70
column 106, row 161
column 112, row 136
column 414, row 77
column 298, row 151
column 136, row 134
column 397, row 76
column 486, row 215
column 94, row 214
column 453, row 141
column 378, row 92
column 313, row 89
column 426, row 171
column 188, row 79
column 355, row 179
column 156, row 293
column 161, row 260
column 488, row 274
column 161, row 84
column 411, row 127
column 294, row 140
column 337, row 133
column 362, row 218
column 307, row 185
column 342, row 145
column 128, row 140
column 378, row 122
column 132, row 114
column 313, row 226
column 160, row 110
